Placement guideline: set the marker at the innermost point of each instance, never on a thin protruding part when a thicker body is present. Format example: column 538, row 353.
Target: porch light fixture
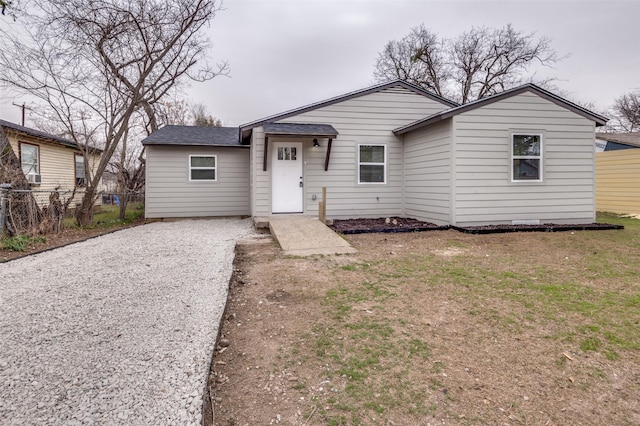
column 316, row 144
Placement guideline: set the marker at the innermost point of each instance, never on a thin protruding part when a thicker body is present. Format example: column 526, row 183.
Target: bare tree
column 11, row 173
column 202, row 118
column 97, row 63
column 476, row 64
column 174, row 111
column 129, row 167
column 419, row 58
column 180, row 112
column 626, row 112
column 4, row 4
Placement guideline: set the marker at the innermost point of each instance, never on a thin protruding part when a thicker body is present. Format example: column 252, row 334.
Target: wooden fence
column 618, row 181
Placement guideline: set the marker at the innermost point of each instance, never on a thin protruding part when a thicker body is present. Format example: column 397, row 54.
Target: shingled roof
column 194, row 136
column 300, row 129
column 628, row 138
column 42, row 135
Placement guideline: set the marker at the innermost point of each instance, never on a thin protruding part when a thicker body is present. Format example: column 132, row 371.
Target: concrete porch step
column 305, row 236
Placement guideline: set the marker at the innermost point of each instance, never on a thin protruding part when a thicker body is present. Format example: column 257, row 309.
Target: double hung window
column 372, row 164
column 526, row 157
column 203, row 168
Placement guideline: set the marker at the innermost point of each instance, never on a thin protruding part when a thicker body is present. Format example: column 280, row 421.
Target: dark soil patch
column 387, row 225
column 545, row 227
column 400, row 224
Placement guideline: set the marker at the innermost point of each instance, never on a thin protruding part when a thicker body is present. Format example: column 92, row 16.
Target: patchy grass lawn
column 108, row 216
column 436, row 327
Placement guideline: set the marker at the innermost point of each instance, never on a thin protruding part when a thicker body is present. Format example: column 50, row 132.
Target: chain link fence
column 33, row 212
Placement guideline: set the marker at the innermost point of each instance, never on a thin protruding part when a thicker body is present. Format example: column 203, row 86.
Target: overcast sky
column 286, row 54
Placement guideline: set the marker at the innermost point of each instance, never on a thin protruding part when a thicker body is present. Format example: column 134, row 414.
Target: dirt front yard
column 433, row 328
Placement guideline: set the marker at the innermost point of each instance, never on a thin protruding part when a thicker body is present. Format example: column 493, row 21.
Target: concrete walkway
column 306, row 236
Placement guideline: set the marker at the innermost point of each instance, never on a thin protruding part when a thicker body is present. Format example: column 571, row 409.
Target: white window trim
column 203, row 168
column 83, row 183
column 386, row 149
column 37, row 163
column 526, row 157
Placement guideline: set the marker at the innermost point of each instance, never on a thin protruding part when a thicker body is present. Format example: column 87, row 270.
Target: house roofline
column 199, row 144
column 204, row 136
column 623, row 138
column 529, row 87
column 46, row 136
column 373, row 89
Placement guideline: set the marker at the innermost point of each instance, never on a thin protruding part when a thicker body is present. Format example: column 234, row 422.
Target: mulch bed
column 386, row 225
column 544, row 227
column 399, row 224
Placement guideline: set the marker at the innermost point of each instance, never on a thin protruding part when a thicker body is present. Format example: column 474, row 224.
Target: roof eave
column 421, row 123
column 308, row 135
column 217, row 145
column 61, row 142
column 596, row 118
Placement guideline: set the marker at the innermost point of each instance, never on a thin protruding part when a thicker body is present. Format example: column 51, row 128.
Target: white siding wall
column 427, row 175
column 169, row 193
column 368, row 119
column 484, row 192
column 260, row 180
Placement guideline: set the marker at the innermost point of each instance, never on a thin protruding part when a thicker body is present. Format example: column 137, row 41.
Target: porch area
column 300, row 235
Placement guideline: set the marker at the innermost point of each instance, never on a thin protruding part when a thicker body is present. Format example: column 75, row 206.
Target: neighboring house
column 109, row 182
column 618, row 173
column 522, row 156
column 48, row 162
column 617, row 141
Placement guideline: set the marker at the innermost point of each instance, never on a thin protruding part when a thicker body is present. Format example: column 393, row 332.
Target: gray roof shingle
column 302, row 129
column 194, row 136
column 628, row 138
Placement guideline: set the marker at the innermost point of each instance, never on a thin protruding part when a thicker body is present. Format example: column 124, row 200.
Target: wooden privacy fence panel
column 618, row 181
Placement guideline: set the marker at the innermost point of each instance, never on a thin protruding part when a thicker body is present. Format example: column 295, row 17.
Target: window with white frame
column 372, row 166
column 79, row 170
column 29, row 157
column 526, row 157
column 203, row 167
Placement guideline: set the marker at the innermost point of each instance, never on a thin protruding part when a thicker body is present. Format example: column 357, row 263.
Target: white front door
column 286, row 177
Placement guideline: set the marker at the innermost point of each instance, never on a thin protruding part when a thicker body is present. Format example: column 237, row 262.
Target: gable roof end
column 529, row 87
column 245, row 128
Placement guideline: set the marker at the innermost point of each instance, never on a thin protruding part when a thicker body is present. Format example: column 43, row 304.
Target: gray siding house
column 522, row 156
column 196, row 172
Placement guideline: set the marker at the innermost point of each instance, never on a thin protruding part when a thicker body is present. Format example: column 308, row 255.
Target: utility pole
column 23, row 107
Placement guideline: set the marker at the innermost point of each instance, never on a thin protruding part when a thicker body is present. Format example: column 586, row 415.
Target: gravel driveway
column 118, row 329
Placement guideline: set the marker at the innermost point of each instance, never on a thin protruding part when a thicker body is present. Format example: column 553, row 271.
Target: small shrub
column 20, row 242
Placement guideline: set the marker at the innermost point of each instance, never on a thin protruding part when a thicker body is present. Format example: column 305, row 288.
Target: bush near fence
column 33, row 212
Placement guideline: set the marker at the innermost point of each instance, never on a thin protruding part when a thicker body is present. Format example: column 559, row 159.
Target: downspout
column 452, row 171
column 403, row 206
